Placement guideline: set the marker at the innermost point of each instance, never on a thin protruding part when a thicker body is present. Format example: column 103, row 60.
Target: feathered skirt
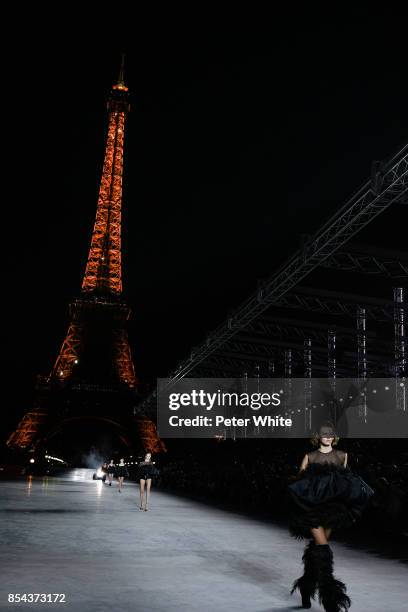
column 326, row 496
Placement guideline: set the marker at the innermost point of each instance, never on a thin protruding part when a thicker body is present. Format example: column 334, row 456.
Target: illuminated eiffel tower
column 93, row 376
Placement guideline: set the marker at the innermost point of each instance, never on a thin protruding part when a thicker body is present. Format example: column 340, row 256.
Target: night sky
column 245, row 132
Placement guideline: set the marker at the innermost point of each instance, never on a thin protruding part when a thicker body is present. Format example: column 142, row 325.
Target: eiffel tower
column 93, row 378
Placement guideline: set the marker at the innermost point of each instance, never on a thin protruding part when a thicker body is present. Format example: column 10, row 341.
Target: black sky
column 245, row 132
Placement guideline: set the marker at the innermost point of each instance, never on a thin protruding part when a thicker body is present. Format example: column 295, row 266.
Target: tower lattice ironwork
column 94, row 368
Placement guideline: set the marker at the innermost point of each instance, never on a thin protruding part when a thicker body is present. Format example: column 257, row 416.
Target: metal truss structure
column 225, row 352
column 363, row 261
column 336, row 304
column 388, row 185
column 270, row 327
column 231, row 365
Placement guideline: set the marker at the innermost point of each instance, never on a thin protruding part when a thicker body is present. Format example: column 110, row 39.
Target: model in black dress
column 327, row 495
column 104, row 469
column 121, row 473
column 146, row 471
column 111, row 472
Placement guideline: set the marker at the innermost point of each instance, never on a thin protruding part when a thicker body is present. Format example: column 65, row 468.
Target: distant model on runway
column 111, row 472
column 327, row 495
column 121, row 473
column 146, row 471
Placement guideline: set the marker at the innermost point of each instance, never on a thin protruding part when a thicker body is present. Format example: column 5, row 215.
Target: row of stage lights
column 50, row 458
column 341, row 399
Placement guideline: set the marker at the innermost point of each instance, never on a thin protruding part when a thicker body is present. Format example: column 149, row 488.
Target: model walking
column 111, row 472
column 146, row 471
column 327, row 495
column 121, row 473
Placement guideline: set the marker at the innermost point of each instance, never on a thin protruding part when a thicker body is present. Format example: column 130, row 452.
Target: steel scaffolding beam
column 231, row 362
column 388, row 185
column 287, row 328
column 373, row 198
column 367, row 264
column 337, row 304
column 399, row 333
column 331, row 353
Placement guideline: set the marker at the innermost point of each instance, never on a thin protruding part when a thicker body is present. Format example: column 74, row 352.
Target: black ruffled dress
column 327, row 494
column 121, row 471
column 147, row 470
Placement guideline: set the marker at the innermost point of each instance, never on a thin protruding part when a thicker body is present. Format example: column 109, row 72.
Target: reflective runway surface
column 73, row 536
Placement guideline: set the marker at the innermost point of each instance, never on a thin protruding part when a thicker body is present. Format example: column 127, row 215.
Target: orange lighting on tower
column 103, row 273
column 94, row 376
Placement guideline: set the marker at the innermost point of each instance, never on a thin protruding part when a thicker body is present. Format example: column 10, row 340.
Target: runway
column 73, row 536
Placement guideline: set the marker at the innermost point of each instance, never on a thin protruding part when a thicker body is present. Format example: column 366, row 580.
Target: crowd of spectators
column 252, row 476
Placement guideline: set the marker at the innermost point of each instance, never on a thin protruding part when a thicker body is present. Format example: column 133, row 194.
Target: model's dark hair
column 315, row 439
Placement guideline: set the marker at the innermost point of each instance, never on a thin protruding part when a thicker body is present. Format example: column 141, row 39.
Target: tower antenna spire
column 121, row 78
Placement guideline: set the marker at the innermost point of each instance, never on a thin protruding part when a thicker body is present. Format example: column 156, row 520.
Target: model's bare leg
column 120, row 483
column 142, row 488
column 319, row 535
column 149, row 484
